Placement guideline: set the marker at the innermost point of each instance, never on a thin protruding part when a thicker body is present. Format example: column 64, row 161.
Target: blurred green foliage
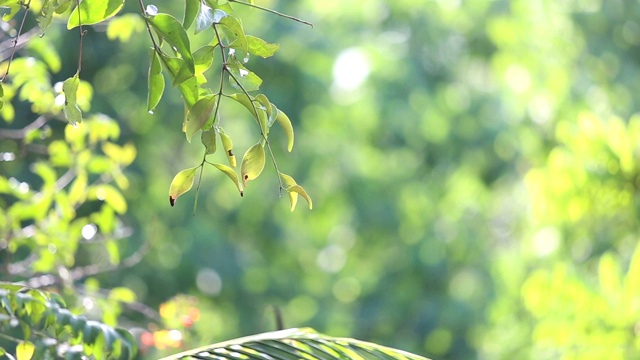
column 473, row 166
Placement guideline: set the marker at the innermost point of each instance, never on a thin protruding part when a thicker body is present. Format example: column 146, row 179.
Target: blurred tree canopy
column 473, row 166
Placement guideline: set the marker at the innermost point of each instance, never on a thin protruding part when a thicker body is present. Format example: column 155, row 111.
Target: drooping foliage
column 55, row 229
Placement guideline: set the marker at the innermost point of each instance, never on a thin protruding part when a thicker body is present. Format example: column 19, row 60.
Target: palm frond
column 294, row 344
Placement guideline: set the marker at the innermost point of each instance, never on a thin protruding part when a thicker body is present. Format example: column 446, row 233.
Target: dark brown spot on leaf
column 172, row 201
column 230, row 152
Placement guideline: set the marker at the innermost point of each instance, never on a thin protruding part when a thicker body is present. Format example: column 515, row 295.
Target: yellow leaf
column 299, row 190
column 284, row 121
column 181, row 183
column 228, row 148
column 252, row 163
column 25, row 350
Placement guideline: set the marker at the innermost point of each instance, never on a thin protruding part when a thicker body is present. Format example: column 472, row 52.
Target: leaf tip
column 172, row 200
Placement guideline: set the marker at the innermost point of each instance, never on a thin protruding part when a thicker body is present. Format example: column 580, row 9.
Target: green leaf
column 188, row 88
column 258, row 111
column 25, row 350
column 199, row 114
column 93, row 12
column 296, row 344
column 47, row 52
column 78, row 190
column 269, row 108
column 235, row 34
column 231, row 174
column 113, row 251
column 128, row 344
column 228, row 148
column 208, row 139
column 207, row 17
column 110, row 195
column 241, row 78
column 191, row 9
column 252, row 163
column 183, row 75
column 173, row 33
column 63, row 5
column 7, row 3
column 203, row 58
column 156, row 82
column 46, row 15
column 13, row 11
column 122, row 294
column 284, row 121
column 123, row 27
column 259, row 47
column 78, row 323
column 71, row 109
column 181, row 183
column 246, row 101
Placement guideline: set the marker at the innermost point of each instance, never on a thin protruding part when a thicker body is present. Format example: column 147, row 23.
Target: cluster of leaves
column 62, row 211
column 186, row 69
column 49, row 330
column 565, row 322
column 76, row 202
column 295, row 344
column 77, row 196
column 172, row 52
column 589, row 180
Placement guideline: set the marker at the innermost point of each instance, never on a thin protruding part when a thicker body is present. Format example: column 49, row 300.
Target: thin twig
column 195, row 203
column 216, row 116
column 79, row 273
column 91, row 270
column 7, row 45
column 146, row 22
column 273, row 12
column 22, row 133
column 15, row 41
column 10, row 338
column 82, row 33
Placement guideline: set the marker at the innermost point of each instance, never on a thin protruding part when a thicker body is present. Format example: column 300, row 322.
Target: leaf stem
column 15, row 41
column 82, row 33
column 216, row 115
column 10, row 338
column 262, row 131
column 146, row 22
column 195, row 203
column 272, row 12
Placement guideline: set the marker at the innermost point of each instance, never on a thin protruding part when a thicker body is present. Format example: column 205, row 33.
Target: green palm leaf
column 294, row 344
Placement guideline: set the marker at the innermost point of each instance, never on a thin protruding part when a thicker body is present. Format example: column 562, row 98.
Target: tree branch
column 272, row 11
column 22, row 133
column 7, row 45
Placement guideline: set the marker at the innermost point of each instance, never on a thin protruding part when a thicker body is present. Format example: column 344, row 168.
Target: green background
column 473, row 166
